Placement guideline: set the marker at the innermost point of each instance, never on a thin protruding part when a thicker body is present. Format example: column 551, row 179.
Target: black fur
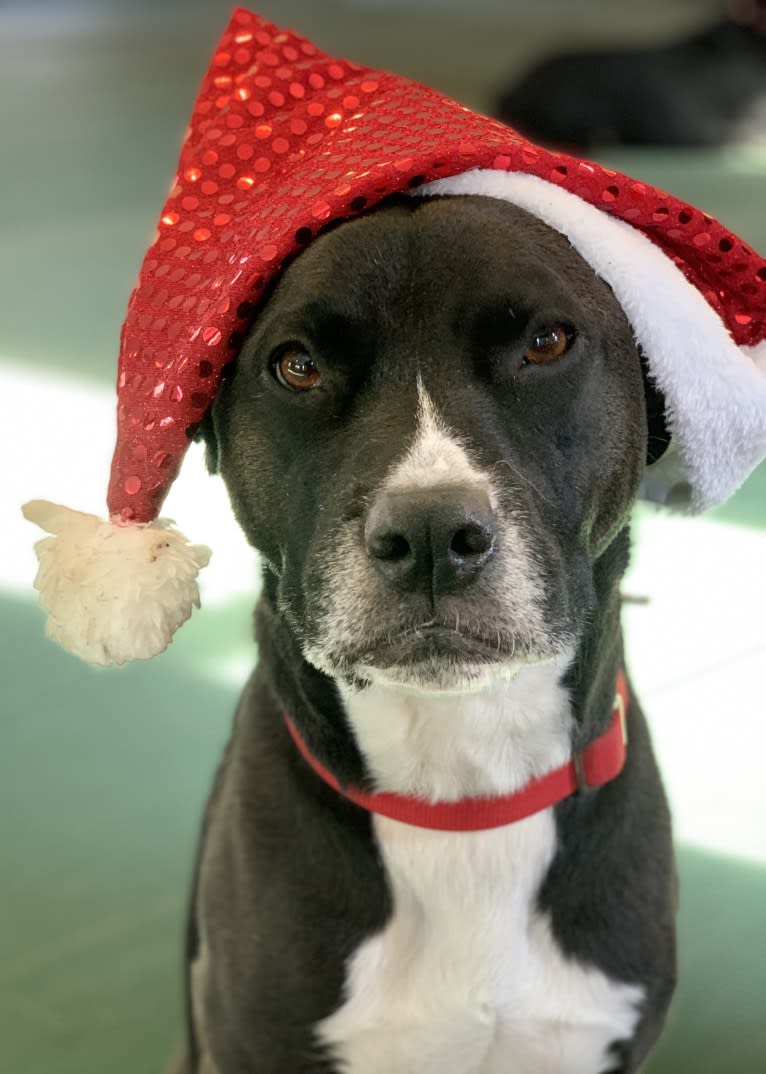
column 699, row 91
column 289, row 879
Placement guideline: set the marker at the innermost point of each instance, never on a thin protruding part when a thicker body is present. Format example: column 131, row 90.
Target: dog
column 433, row 435
column 707, row 89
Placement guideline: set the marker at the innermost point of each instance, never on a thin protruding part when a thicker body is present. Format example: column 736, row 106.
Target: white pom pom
column 113, row 592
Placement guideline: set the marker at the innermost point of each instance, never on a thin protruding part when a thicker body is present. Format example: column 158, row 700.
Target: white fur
column 715, row 391
column 436, row 456
column 113, row 593
column 446, row 745
column 467, row 978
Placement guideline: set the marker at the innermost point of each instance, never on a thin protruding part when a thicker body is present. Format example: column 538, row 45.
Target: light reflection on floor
column 695, row 650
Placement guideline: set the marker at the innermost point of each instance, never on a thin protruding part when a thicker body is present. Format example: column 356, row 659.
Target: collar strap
column 598, row 763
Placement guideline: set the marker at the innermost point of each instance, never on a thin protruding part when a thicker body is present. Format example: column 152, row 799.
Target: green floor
column 103, row 775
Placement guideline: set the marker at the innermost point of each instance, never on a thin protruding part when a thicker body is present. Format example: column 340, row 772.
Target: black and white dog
column 434, row 435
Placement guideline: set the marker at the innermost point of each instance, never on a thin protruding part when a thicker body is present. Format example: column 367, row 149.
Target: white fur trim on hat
column 715, row 391
column 113, row 592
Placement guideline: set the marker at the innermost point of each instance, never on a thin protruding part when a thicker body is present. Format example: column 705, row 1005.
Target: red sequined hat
column 285, row 139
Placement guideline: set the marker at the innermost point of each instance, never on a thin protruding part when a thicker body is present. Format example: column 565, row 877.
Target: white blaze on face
column 437, row 457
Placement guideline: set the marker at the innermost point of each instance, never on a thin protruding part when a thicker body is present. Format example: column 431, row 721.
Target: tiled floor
column 103, row 775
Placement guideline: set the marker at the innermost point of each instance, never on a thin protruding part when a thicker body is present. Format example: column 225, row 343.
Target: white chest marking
column 466, row 978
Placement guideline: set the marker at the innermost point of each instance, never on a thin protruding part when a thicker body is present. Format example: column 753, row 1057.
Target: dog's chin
column 440, row 675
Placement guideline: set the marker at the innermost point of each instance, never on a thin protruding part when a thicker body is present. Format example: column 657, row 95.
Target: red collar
column 601, row 761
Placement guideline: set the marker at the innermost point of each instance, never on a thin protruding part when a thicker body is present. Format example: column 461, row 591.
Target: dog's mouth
column 455, row 654
column 437, row 644
column 440, row 658
column 436, row 655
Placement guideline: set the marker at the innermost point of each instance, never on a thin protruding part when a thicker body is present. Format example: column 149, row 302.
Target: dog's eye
column 296, row 370
column 549, row 346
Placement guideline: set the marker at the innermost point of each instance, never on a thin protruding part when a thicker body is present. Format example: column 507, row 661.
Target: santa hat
column 285, row 140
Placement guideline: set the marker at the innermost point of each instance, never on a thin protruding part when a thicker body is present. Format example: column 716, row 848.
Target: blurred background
column 103, row 774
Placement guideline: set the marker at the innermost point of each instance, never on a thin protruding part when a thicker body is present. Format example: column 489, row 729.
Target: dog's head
column 435, row 428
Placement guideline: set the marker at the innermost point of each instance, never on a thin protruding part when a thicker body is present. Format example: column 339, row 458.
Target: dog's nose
column 435, row 540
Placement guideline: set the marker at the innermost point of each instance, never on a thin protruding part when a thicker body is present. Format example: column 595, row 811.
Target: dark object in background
column 701, row 91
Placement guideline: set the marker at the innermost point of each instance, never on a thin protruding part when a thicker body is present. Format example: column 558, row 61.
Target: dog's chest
column 466, row 978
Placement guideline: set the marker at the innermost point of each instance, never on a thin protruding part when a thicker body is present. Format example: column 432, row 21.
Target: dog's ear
column 206, row 434
column 658, row 437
